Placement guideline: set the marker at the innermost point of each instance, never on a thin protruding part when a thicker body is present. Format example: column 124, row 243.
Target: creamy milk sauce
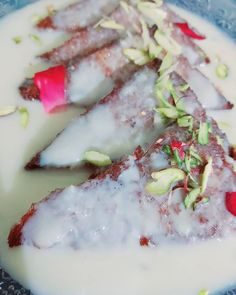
column 168, row 270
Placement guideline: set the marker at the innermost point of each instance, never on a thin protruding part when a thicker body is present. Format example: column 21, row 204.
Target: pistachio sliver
column 152, row 11
column 164, row 180
column 139, row 57
column 203, row 292
column 222, row 71
column 111, row 24
column 154, row 49
column 203, row 133
column 17, row 39
column 206, row 174
column 166, row 62
column 97, row 159
column 125, row 6
column 167, row 42
column 7, row 110
column 145, row 34
column 169, row 112
column 24, row 113
column 185, row 121
column 191, row 197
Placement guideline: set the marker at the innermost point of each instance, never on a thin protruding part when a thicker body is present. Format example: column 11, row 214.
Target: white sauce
column 168, row 270
column 106, row 128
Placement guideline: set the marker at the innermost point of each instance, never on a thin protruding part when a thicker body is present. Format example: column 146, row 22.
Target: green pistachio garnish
column 24, row 114
column 154, row 49
column 125, row 6
column 170, row 112
column 186, row 122
column 139, row 57
column 184, row 87
column 177, row 158
column 194, row 154
column 167, row 150
column 35, row 38
column 111, row 24
column 206, row 174
column 145, row 34
column 97, row 159
column 167, row 62
column 191, row 197
column 203, row 292
column 7, row 110
column 167, row 42
column 203, row 133
column 164, row 180
column 222, row 71
column 152, row 11
column 17, row 39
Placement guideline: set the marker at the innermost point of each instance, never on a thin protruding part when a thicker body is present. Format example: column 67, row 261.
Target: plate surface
column 220, row 12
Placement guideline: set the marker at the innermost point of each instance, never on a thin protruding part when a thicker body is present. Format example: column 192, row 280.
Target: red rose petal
column 177, row 145
column 184, row 27
column 51, row 84
column 144, row 241
column 230, row 202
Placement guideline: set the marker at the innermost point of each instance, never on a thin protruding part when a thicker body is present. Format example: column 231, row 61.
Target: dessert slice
column 179, row 191
column 88, row 79
column 121, row 121
column 92, row 38
column 78, row 15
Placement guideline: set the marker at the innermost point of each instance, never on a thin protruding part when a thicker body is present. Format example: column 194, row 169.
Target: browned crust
column 46, row 23
column 29, row 91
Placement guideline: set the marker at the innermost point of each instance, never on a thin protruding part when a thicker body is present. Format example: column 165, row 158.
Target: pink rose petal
column 51, row 84
column 184, row 27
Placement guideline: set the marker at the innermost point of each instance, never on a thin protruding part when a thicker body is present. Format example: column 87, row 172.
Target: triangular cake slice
column 175, row 192
column 78, row 15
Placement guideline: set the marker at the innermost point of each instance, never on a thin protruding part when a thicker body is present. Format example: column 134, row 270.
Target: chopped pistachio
column 184, row 87
column 203, row 133
column 194, row 154
column 167, row 42
column 154, row 49
column 17, row 39
column 97, row 158
column 177, row 158
column 191, row 197
column 145, row 34
column 125, row 6
column 166, row 149
column 164, row 180
column 185, row 121
column 206, row 174
column 7, row 110
column 203, row 292
column 139, row 57
column 24, row 113
column 170, row 112
column 187, row 161
column 111, row 24
column 152, row 11
column 35, row 38
column 222, row 71
column 171, row 89
column 166, row 62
